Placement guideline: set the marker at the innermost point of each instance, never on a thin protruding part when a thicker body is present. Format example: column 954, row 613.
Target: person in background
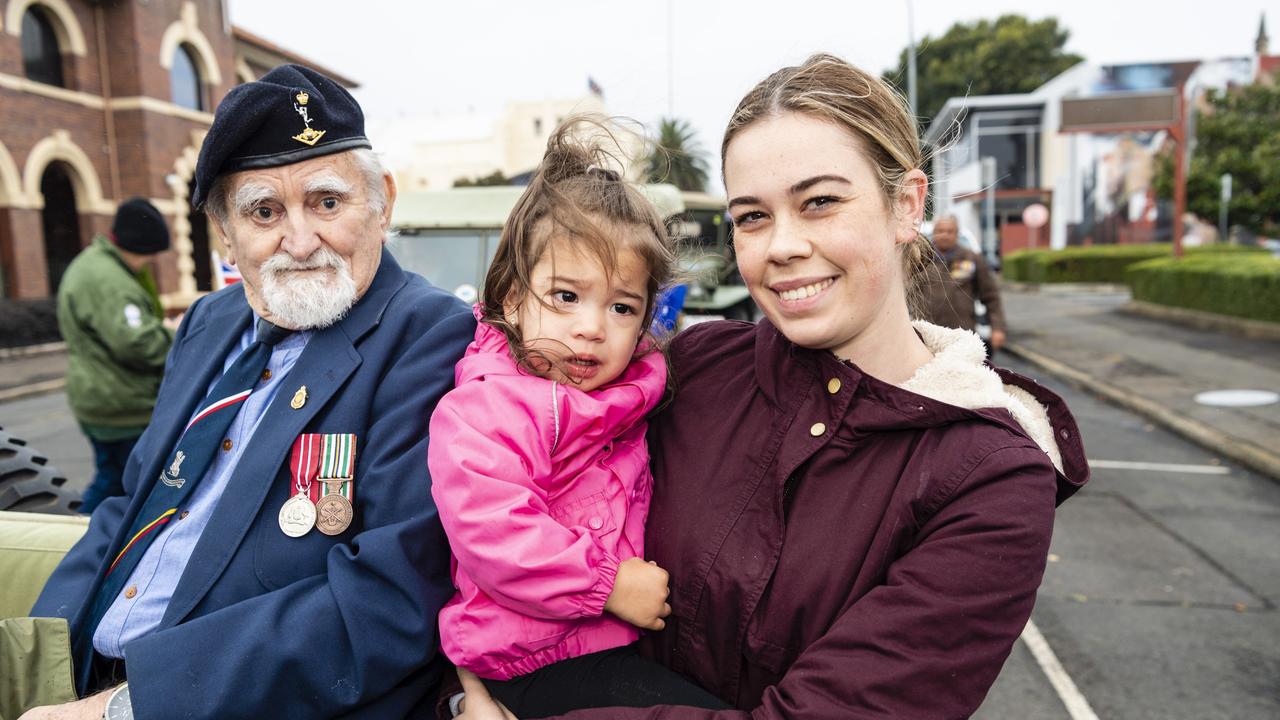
column 116, row 341
column 961, row 277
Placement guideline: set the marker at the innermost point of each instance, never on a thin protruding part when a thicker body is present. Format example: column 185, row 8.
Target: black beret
column 140, row 228
column 291, row 114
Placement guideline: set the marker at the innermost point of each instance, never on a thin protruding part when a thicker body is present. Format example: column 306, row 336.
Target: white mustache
column 320, row 259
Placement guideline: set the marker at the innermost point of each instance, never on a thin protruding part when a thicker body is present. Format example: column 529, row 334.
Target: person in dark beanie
column 116, row 340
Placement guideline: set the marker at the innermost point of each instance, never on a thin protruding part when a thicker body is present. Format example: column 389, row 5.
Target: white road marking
column 1160, row 467
column 1074, row 701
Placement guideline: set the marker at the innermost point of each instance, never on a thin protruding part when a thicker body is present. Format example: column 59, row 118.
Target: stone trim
column 65, row 25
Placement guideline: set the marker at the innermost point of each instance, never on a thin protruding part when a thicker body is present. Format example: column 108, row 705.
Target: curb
column 29, row 350
column 1081, row 288
column 25, row 391
column 1201, row 320
column 1243, row 452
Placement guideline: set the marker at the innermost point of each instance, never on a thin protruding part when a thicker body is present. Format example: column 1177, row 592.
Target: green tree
column 1239, row 133
column 677, row 157
column 494, row 178
column 1011, row 55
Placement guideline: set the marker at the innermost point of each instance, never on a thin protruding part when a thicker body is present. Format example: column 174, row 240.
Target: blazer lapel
column 324, row 366
column 204, row 354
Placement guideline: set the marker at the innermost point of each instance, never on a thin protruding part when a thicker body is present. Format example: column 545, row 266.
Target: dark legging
column 612, row 678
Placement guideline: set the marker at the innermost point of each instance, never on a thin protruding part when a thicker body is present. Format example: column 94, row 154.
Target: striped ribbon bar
column 337, row 462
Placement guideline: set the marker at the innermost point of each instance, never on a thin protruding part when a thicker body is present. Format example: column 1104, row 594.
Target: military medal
column 333, row 514
column 337, row 463
column 298, row 514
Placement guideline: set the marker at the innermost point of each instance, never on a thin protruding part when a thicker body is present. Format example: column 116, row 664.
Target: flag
column 224, row 273
column 594, row 87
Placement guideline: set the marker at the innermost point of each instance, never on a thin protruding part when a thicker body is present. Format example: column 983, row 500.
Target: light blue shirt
column 158, row 572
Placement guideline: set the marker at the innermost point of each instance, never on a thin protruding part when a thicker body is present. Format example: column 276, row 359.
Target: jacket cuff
column 606, row 574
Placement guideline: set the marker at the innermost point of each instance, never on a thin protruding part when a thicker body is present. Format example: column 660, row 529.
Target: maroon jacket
column 840, row 547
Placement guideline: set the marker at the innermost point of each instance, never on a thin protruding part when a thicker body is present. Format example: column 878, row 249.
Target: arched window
column 185, row 88
column 59, row 221
column 41, row 58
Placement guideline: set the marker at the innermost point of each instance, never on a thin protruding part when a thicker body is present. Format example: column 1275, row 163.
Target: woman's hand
column 478, row 703
column 639, row 594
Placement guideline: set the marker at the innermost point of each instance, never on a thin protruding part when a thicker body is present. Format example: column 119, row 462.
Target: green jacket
column 116, row 342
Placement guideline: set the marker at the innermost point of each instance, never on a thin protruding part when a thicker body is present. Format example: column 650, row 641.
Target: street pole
column 989, row 240
column 911, row 61
column 671, row 62
column 1179, row 133
column 1222, row 208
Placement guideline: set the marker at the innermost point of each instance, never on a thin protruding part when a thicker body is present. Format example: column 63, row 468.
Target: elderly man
column 962, row 276
column 277, row 552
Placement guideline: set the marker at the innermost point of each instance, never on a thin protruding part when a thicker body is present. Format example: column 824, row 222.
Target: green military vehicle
column 450, row 236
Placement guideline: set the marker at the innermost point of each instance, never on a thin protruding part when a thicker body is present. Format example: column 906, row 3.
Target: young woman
column 854, row 508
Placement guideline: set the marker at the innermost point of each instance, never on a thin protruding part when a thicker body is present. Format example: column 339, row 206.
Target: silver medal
column 297, row 516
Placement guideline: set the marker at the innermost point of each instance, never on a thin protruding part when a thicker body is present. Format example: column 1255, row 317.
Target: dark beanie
column 140, row 228
column 291, row 114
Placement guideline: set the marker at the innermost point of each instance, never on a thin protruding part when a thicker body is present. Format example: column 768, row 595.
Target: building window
column 41, row 58
column 185, row 88
column 1013, row 139
column 537, row 126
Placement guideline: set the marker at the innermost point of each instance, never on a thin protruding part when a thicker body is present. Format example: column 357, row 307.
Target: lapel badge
column 299, row 398
column 309, row 136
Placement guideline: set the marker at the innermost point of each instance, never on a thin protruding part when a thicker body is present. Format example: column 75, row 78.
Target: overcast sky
column 419, row 58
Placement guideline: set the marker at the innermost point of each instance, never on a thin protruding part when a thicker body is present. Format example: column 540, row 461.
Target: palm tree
column 677, row 157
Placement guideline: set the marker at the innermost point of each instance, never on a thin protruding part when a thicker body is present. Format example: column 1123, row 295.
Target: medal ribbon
column 337, row 462
column 303, row 465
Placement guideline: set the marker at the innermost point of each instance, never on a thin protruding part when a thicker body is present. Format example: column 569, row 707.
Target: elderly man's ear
column 389, row 183
column 226, row 243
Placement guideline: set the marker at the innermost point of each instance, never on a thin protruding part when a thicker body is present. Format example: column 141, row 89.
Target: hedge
column 27, row 322
column 1098, row 263
column 1242, row 285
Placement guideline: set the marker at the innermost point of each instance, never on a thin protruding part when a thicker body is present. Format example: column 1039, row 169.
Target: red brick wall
column 26, row 275
column 148, row 143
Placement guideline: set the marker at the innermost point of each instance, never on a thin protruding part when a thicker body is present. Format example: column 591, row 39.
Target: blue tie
column 192, row 456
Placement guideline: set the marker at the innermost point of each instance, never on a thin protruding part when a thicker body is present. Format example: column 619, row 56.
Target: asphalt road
column 1160, row 596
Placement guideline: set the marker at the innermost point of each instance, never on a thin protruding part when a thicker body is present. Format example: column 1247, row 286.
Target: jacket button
column 133, row 590
column 817, row 429
column 183, row 515
column 595, row 523
column 266, row 374
column 226, row 444
column 833, row 385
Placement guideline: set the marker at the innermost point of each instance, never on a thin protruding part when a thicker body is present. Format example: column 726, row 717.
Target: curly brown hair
column 577, row 196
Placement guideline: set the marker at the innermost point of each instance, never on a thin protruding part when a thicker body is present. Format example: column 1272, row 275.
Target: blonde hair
column 830, row 89
column 576, row 194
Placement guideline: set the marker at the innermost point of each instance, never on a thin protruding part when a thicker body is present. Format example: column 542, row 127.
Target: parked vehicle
column 450, row 237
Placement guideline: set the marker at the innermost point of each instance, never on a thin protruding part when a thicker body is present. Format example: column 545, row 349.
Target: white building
column 433, row 152
column 1091, row 183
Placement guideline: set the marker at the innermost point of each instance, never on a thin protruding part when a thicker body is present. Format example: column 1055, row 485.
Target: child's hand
column 640, row 594
column 478, row 704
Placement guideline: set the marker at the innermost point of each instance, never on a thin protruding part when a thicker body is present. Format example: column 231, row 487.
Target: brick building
column 102, row 100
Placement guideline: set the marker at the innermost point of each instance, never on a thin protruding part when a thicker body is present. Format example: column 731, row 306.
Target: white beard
column 316, row 300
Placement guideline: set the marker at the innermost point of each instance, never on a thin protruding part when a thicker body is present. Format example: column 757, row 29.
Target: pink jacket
column 543, row 489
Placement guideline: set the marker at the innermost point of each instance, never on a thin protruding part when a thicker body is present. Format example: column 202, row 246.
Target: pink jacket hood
column 543, row 490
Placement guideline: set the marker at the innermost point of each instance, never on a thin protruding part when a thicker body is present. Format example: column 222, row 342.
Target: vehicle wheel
column 28, row 483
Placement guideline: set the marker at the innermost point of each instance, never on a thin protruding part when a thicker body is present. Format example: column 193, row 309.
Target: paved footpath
column 1153, row 367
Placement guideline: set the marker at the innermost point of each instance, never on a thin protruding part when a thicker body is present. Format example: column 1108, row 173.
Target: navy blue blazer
column 263, row 624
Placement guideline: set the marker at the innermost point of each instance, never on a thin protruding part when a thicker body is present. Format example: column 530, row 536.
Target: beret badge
column 309, row 135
